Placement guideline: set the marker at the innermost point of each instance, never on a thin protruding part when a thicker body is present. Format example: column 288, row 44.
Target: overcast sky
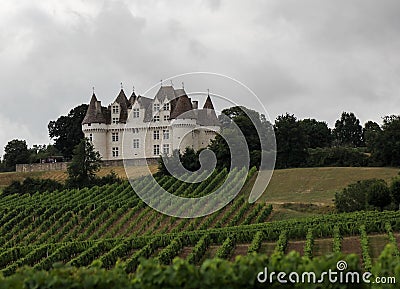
column 312, row 58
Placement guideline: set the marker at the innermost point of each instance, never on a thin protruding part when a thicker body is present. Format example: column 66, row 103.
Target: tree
column 348, row 131
column 39, row 152
column 395, row 191
column 84, row 165
column 240, row 115
column 388, row 144
column 318, row 134
column 247, row 121
column 67, row 130
column 291, row 142
column 371, row 134
column 31, row 186
column 379, row 195
column 189, row 160
column 15, row 152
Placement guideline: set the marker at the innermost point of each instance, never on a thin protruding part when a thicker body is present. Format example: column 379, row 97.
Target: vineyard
column 104, row 226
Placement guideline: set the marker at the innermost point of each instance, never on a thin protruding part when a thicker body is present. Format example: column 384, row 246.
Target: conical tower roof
column 207, row 115
column 208, row 104
column 183, row 104
column 94, row 113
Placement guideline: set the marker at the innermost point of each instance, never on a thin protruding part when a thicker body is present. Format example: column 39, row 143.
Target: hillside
column 306, row 185
column 7, row 178
column 110, row 223
column 318, row 185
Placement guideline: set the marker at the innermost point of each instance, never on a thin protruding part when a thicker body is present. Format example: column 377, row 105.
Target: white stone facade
column 142, row 128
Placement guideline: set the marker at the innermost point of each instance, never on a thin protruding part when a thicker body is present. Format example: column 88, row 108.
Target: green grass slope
column 318, row 185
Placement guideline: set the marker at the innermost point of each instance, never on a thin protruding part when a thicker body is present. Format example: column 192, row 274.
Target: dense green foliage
column 291, row 142
column 84, row 165
column 189, row 159
column 336, row 157
column 348, row 130
column 363, row 195
column 15, row 152
column 67, row 130
column 387, row 142
column 216, row 273
column 247, row 121
column 31, row 186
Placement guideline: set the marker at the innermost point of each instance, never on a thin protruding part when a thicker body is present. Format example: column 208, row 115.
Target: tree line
column 299, row 142
column 308, row 142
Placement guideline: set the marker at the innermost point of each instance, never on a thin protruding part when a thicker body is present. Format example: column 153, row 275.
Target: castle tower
column 94, row 125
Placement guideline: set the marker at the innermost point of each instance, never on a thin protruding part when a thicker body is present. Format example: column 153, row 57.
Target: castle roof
column 165, row 92
column 208, row 104
column 179, row 101
column 94, row 114
column 124, row 103
column 207, row 115
column 132, row 99
column 183, row 105
column 146, row 103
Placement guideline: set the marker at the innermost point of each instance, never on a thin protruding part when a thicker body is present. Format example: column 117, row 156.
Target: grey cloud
column 314, row 58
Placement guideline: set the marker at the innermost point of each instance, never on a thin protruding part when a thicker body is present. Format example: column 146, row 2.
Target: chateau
column 143, row 128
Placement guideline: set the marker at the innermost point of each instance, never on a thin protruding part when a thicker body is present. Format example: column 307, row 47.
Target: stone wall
column 41, row 167
column 63, row 166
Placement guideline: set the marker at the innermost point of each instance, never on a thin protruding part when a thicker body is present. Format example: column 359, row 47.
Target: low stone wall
column 22, row 168
column 63, row 166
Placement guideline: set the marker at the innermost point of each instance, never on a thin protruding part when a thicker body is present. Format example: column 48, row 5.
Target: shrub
column 337, row 157
column 31, row 186
column 367, row 194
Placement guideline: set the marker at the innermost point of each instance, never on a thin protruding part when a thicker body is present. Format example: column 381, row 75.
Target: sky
column 311, row 58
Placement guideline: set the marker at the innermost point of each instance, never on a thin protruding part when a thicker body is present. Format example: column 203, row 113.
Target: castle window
column 156, row 118
column 115, row 109
column 114, row 136
column 135, row 113
column 115, row 152
column 166, row 149
column 166, row 106
column 156, row 134
column 156, row 107
column 135, row 143
column 115, row 120
column 156, row 150
column 166, row 117
column 91, row 137
column 166, row 134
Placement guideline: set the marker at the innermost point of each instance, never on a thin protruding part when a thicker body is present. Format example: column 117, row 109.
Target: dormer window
column 156, row 107
column 115, row 109
column 166, row 106
column 115, row 120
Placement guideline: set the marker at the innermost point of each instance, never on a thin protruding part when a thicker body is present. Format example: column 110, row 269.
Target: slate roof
column 180, row 104
column 146, row 103
column 183, row 104
column 208, row 104
column 124, row 103
column 165, row 91
column 94, row 114
column 132, row 99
